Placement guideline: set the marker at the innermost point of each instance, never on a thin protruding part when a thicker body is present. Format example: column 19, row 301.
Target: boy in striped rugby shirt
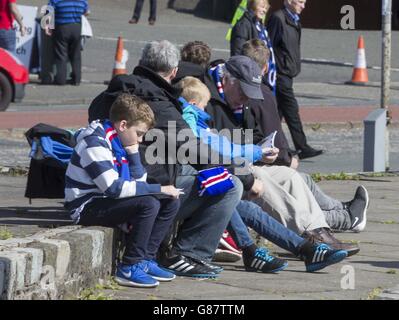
column 106, row 185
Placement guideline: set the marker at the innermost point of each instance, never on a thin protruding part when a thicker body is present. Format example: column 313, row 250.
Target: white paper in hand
column 268, row 142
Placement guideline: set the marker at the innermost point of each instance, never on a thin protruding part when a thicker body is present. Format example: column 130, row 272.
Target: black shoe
column 73, row 82
column 323, row 235
column 187, row 267
column 309, row 153
column 133, row 21
column 262, row 261
column 151, row 22
column 215, row 268
column 319, row 256
column 357, row 209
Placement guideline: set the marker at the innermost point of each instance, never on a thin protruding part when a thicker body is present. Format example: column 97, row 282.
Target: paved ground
column 374, row 269
column 333, row 113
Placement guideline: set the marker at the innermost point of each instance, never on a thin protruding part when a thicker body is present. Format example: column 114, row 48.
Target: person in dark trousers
column 67, row 34
column 137, row 12
column 285, row 34
column 106, row 185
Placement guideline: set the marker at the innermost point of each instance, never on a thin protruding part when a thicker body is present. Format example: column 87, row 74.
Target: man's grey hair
column 160, row 56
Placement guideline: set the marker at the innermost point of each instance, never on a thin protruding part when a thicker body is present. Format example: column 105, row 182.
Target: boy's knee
column 151, row 203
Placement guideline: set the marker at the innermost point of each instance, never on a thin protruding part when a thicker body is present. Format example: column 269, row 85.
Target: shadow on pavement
column 34, row 216
column 380, row 264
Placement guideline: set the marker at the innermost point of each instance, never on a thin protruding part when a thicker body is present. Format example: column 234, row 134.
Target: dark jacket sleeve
column 284, row 157
column 275, row 30
column 240, row 34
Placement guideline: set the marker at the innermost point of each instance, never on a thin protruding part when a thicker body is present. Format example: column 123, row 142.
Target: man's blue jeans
column 249, row 214
column 205, row 218
column 8, row 40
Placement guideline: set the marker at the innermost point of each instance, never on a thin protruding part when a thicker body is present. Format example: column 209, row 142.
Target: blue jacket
column 197, row 121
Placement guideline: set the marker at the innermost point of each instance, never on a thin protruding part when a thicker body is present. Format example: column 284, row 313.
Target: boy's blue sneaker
column 134, row 276
column 151, row 267
column 322, row 256
column 262, row 261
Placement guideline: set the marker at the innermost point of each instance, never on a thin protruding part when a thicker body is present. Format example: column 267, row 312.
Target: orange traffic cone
column 360, row 75
column 121, row 57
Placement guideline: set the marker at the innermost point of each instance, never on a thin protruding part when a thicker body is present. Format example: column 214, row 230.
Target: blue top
column 69, row 11
column 197, row 121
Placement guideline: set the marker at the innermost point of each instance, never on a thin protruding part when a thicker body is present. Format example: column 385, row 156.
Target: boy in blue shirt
column 193, row 107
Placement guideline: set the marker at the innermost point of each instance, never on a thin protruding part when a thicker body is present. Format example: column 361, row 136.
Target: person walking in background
column 251, row 26
column 285, row 34
column 137, row 12
column 8, row 12
column 67, row 38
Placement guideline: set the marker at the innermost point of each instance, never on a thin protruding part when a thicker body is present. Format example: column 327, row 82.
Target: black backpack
column 46, row 178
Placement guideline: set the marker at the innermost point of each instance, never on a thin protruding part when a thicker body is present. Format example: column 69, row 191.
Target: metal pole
column 386, row 67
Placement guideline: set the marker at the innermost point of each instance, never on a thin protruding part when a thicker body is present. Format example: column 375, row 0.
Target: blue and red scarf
column 216, row 73
column 121, row 164
column 214, row 181
column 272, row 73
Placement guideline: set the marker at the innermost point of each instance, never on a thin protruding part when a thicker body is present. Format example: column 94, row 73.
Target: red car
column 13, row 77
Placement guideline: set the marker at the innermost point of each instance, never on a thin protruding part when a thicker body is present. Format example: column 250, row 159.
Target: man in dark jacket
column 286, row 196
column 285, row 33
column 204, row 218
column 244, row 30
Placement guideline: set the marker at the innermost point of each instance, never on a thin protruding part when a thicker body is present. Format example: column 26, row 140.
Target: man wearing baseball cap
column 284, row 193
column 232, row 84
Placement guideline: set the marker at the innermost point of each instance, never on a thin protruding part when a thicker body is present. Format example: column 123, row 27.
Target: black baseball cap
column 248, row 72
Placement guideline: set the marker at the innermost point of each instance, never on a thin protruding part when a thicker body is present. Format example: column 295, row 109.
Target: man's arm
column 201, row 155
column 87, row 9
column 97, row 160
column 275, row 30
column 239, row 36
column 18, row 17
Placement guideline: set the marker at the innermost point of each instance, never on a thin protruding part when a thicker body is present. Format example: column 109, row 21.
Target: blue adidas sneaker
column 151, row 268
column 134, row 276
column 263, row 261
column 322, row 256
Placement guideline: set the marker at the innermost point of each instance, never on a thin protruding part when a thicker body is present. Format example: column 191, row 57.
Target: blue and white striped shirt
column 91, row 172
column 69, row 11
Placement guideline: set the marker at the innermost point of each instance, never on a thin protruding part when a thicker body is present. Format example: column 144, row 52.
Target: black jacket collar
column 158, row 81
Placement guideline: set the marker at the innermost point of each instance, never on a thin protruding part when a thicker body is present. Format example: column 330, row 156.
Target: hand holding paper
column 267, row 144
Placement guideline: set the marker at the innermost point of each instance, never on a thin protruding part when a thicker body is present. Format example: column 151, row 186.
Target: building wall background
column 324, row 14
